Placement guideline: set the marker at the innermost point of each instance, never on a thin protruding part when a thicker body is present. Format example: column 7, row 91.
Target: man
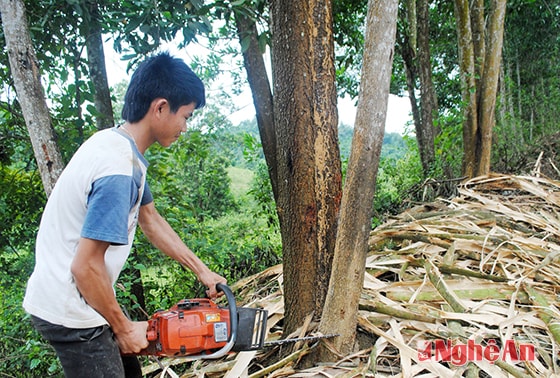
column 89, row 221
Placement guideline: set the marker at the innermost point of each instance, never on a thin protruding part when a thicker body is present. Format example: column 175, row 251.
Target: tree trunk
column 341, row 306
column 408, row 52
column 479, row 43
column 30, row 93
column 489, row 84
column 468, row 86
column 415, row 51
column 262, row 95
column 96, row 63
column 309, row 168
column 480, row 52
column 428, row 99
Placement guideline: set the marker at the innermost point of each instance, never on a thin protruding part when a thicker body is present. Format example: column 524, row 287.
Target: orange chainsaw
column 200, row 329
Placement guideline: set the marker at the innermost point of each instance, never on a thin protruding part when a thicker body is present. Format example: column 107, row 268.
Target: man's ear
column 159, row 105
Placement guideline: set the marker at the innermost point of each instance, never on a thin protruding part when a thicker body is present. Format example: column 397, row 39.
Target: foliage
column 349, row 26
column 237, row 236
column 397, row 175
column 264, row 205
column 443, row 50
column 192, row 191
column 22, row 349
column 21, row 203
column 531, row 65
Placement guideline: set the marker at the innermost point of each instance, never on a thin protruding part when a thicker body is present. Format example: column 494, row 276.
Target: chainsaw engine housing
column 200, row 327
column 190, row 327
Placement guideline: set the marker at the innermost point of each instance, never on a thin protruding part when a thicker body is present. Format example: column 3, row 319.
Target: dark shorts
column 88, row 352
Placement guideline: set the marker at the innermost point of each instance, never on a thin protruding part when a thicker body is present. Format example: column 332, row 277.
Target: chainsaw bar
column 296, row 339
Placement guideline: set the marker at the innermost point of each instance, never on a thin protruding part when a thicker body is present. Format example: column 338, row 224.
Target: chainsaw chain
column 296, row 339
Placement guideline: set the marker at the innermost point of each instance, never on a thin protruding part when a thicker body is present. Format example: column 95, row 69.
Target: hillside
column 478, row 274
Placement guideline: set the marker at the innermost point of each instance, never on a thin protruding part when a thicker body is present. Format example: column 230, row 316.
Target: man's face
column 173, row 124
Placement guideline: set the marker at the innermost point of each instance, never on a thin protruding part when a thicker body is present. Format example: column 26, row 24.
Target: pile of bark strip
column 463, row 287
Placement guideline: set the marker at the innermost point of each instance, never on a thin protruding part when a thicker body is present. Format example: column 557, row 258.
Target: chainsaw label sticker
column 220, row 332
column 213, row 318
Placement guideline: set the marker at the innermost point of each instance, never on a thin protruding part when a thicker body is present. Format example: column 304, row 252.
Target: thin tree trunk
column 479, row 44
column 468, row 86
column 341, row 307
column 408, row 52
column 428, row 99
column 489, row 84
column 411, row 88
column 262, row 95
column 97, row 70
column 480, row 52
column 415, row 51
column 30, row 93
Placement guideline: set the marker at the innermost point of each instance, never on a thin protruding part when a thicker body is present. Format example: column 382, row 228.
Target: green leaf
column 34, row 363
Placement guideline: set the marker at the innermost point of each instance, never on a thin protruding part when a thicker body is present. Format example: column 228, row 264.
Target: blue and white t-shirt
column 97, row 196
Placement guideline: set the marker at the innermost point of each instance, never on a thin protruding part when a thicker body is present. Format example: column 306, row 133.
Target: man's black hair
column 162, row 76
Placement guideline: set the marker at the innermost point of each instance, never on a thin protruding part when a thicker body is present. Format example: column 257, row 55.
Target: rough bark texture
column 262, row 95
column 468, row 86
column 96, row 64
column 341, row 307
column 30, row 93
column 428, row 99
column 480, row 53
column 489, row 86
column 309, row 169
column 479, row 44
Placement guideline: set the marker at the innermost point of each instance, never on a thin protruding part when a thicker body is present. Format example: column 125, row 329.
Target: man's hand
column 210, row 280
column 92, row 280
column 132, row 339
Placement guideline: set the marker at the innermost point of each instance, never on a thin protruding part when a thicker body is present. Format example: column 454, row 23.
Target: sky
column 398, row 111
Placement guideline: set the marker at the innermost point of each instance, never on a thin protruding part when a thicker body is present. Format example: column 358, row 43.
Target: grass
column 240, row 180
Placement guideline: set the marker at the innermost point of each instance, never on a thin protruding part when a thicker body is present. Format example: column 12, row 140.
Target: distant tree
column 414, row 47
column 96, row 63
column 480, row 53
column 529, row 90
column 25, row 72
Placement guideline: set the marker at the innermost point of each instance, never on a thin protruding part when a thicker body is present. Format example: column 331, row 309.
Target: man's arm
column 94, row 284
column 164, row 238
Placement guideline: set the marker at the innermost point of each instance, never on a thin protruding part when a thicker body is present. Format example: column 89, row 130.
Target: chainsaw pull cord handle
column 233, row 327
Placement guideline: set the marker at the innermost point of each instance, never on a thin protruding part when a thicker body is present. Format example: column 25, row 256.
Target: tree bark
column 428, row 99
column 30, row 93
column 479, row 43
column 341, row 306
column 480, row 52
column 97, row 70
column 489, row 86
column 309, row 167
column 468, row 86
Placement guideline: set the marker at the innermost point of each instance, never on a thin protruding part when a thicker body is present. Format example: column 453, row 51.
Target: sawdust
column 476, row 274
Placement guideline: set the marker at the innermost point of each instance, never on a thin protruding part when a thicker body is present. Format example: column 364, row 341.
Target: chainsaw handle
column 233, row 315
column 233, row 321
